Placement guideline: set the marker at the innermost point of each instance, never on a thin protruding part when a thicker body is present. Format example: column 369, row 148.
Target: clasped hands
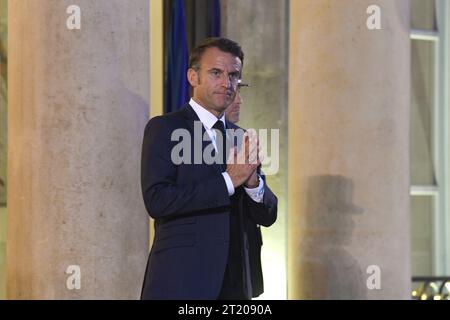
column 242, row 164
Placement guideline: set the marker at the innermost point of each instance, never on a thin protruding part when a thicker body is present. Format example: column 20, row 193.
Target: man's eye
column 234, row 76
column 215, row 73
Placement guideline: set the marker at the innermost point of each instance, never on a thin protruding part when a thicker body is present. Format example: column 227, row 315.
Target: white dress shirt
column 208, row 120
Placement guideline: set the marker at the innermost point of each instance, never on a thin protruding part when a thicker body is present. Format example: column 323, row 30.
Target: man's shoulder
column 176, row 119
column 231, row 125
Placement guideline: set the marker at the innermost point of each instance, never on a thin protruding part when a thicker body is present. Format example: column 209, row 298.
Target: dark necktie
column 221, row 142
column 238, row 236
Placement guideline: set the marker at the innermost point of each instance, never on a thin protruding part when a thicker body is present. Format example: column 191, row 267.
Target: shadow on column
column 328, row 270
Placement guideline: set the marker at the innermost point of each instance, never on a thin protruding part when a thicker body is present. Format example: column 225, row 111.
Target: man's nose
column 227, row 80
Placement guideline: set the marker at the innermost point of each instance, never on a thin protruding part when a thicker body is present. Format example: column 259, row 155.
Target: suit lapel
column 190, row 116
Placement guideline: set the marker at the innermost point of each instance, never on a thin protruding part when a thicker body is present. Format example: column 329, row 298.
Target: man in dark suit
column 232, row 113
column 207, row 216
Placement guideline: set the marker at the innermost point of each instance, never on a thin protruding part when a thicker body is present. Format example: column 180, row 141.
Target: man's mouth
column 228, row 93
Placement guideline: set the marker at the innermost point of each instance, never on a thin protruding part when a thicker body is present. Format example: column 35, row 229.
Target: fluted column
column 78, row 104
column 348, row 184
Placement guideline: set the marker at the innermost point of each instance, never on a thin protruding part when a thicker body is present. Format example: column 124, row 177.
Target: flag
column 177, row 86
column 214, row 19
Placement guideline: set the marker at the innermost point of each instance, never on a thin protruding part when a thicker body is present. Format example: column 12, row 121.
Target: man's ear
column 192, row 76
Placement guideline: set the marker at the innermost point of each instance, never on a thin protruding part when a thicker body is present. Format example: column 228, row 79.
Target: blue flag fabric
column 214, row 24
column 177, row 86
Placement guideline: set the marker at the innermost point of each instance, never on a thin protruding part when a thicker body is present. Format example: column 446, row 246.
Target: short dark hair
column 223, row 44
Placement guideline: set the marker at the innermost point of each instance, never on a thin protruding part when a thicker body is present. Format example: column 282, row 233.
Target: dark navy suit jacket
column 191, row 208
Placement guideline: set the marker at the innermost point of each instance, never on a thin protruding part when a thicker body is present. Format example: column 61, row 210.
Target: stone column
column 3, row 150
column 349, row 96
column 78, row 104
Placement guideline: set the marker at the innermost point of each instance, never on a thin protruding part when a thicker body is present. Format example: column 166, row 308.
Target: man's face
column 233, row 111
column 215, row 82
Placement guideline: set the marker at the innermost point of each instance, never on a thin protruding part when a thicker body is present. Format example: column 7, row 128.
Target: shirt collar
column 206, row 117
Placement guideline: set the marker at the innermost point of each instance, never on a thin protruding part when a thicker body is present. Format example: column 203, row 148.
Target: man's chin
column 221, row 107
